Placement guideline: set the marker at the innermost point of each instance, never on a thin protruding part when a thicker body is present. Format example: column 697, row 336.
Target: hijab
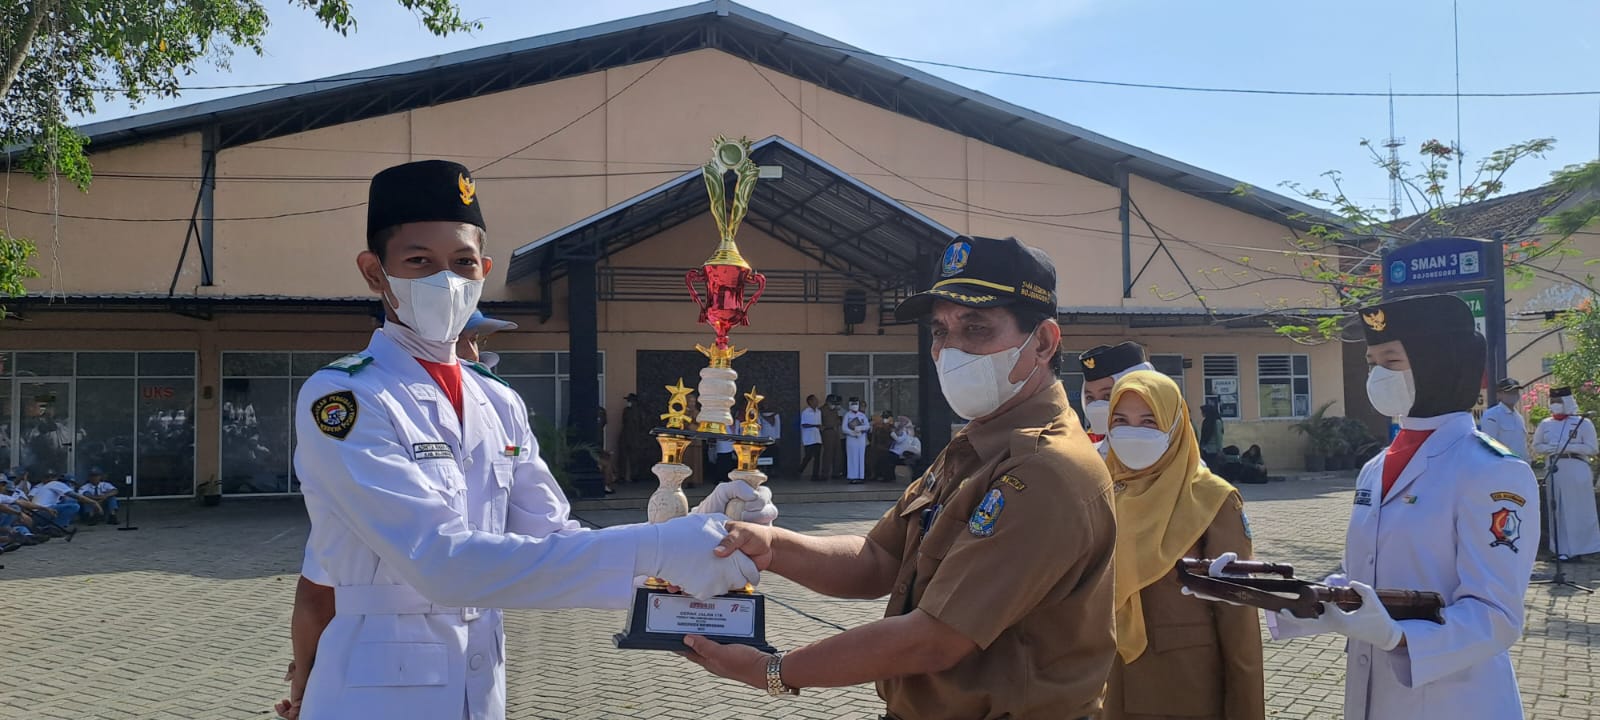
column 1162, row 510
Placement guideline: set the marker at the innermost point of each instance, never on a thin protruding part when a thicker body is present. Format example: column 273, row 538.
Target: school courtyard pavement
column 188, row 616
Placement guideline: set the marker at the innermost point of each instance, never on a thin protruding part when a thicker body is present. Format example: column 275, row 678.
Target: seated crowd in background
column 33, row 512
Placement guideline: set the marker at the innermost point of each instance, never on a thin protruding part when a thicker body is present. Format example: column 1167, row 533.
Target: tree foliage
column 1339, row 253
column 1579, row 367
column 61, row 58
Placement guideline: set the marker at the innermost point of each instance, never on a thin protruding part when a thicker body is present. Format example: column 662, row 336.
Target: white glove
column 682, row 555
column 1283, row 625
column 758, row 505
column 1369, row 623
column 1215, row 571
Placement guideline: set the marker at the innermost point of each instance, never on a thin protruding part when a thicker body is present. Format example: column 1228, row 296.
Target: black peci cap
column 1560, row 392
column 1107, row 360
column 985, row 272
column 1416, row 318
column 423, row 191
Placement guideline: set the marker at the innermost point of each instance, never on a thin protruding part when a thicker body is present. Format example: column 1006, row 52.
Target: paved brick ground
column 187, row 618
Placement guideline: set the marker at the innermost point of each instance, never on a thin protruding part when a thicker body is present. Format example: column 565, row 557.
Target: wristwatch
column 775, row 686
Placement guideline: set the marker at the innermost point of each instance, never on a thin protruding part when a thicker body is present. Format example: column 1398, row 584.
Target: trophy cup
column 660, row 618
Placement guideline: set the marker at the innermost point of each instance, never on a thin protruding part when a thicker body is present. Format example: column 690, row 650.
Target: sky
column 1354, row 45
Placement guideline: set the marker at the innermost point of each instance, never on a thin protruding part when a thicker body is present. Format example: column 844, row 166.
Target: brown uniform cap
column 1017, row 558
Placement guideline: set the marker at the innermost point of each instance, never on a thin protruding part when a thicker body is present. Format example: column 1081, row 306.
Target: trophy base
column 659, row 620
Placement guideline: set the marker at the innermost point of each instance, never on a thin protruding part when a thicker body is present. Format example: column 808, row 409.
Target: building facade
column 210, row 268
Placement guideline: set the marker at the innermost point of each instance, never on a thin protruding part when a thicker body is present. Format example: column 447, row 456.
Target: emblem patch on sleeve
column 1364, row 496
column 335, row 413
column 1506, row 528
column 987, row 514
column 431, row 451
column 1248, row 535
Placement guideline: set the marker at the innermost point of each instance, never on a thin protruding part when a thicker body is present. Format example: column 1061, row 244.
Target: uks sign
column 1440, row 261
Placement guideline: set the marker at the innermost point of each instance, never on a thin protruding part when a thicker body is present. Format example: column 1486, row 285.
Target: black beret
column 1107, row 360
column 1417, row 318
column 423, row 191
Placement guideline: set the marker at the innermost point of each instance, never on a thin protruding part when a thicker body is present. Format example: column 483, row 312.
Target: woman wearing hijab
column 1210, row 433
column 1176, row 656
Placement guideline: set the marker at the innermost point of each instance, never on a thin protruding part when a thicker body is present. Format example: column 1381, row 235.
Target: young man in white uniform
column 429, row 503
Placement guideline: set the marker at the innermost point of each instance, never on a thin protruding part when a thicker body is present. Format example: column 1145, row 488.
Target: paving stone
column 188, row 618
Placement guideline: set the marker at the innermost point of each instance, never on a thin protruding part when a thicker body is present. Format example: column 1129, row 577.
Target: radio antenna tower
column 1394, row 144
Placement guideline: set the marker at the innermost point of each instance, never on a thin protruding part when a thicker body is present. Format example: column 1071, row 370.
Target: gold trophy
column 659, row 617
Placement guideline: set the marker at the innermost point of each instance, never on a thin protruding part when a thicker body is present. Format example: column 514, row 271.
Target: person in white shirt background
column 856, row 426
column 811, row 440
column 1567, row 440
column 102, row 491
column 772, row 429
column 1502, row 422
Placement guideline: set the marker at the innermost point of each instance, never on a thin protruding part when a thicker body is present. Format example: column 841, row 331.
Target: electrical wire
column 1169, row 87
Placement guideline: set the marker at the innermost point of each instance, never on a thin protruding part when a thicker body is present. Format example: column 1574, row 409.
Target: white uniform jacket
column 1462, row 520
column 1504, row 424
column 418, row 519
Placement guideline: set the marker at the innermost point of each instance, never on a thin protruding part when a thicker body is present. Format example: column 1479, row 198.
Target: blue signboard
column 1440, row 261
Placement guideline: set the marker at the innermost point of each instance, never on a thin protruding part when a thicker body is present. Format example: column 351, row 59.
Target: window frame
column 1291, row 377
column 1205, row 388
column 869, row 381
column 12, row 412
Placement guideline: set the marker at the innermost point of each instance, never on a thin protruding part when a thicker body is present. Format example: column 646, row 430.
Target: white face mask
column 976, row 385
column 436, row 307
column 1564, row 406
column 1139, row 447
column 1098, row 414
column 1391, row 393
column 855, row 406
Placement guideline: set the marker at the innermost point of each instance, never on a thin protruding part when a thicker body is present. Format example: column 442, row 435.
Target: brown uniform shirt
column 1008, row 540
column 1204, row 658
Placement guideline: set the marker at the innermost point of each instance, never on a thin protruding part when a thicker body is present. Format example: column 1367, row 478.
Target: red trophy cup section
column 723, row 305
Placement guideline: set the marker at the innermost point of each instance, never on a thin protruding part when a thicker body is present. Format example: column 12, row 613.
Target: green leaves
column 14, row 268
column 60, row 58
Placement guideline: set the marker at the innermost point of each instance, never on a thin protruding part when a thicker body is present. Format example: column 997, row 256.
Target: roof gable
column 716, row 24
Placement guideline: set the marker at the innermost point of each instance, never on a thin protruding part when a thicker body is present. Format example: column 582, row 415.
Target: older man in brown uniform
column 997, row 562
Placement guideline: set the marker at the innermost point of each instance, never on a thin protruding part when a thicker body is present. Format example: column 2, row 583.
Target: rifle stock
column 1301, row 598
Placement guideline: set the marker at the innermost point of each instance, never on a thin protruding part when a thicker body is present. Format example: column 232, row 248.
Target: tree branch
column 19, row 52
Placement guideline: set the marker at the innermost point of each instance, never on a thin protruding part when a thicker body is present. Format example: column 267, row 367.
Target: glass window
column 44, row 364
column 106, row 422
column 1170, row 366
column 5, row 371
column 169, row 364
column 883, row 381
column 1284, row 385
column 526, row 363
column 308, row 363
column 895, row 395
column 541, row 378
column 849, row 364
column 894, row 364
column 45, row 426
column 256, row 429
column 105, row 364
column 255, row 364
column 6, row 460
column 166, row 432
column 847, row 389
column 1221, row 374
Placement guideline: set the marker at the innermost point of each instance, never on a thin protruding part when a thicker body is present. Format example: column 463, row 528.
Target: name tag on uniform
column 432, row 451
column 1364, row 496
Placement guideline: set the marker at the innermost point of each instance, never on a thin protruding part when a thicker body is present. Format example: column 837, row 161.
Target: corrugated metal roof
column 816, row 208
column 717, row 24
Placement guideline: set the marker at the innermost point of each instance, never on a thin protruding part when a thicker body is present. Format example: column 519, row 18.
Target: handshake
column 682, row 551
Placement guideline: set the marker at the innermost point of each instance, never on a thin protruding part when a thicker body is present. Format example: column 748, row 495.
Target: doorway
column 44, row 431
